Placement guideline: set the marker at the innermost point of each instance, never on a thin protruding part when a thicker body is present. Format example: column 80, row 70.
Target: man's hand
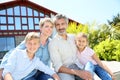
column 84, row 74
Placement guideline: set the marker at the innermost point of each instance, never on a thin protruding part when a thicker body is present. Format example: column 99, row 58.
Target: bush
column 108, row 50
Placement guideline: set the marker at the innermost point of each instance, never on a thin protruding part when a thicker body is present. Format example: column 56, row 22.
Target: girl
column 85, row 54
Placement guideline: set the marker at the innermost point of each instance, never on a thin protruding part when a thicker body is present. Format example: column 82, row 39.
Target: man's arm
column 80, row 73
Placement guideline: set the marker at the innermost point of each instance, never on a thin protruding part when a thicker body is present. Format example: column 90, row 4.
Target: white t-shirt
column 86, row 56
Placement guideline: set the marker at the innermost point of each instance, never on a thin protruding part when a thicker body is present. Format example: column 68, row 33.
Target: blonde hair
column 32, row 35
column 46, row 19
column 81, row 35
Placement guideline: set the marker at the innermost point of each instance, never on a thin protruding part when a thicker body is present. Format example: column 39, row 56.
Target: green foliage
column 104, row 39
column 108, row 50
column 74, row 28
column 115, row 24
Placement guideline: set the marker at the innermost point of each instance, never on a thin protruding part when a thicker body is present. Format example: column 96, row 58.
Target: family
column 64, row 57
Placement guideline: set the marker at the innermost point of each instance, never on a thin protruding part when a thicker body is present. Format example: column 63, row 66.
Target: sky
column 83, row 11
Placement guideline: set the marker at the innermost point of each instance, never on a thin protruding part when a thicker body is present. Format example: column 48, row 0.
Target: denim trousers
column 40, row 76
column 102, row 74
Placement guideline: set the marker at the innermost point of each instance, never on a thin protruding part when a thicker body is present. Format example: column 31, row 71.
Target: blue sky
column 83, row 11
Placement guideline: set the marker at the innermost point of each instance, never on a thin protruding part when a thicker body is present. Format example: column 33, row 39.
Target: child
column 85, row 54
column 22, row 62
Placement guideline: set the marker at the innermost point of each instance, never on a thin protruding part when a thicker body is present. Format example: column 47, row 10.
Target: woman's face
column 81, row 42
column 47, row 29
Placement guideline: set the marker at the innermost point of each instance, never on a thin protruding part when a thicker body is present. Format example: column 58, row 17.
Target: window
column 2, row 20
column 10, row 11
column 24, row 20
column 30, row 23
column 29, row 11
column 7, row 43
column 17, row 23
column 23, row 10
column 17, row 10
column 10, row 20
column 20, row 18
column 2, row 12
column 35, row 13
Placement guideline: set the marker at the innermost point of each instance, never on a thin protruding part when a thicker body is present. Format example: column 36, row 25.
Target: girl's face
column 81, row 42
column 47, row 29
column 32, row 45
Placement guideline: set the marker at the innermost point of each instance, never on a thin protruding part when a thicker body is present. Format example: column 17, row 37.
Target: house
column 17, row 18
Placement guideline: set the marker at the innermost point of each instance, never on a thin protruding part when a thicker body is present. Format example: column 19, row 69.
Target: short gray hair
column 60, row 16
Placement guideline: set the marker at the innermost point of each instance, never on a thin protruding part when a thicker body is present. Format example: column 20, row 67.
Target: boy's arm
column 8, row 77
column 42, row 67
column 10, row 66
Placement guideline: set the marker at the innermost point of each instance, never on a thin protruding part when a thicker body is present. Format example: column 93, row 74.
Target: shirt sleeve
column 42, row 67
column 91, row 51
column 5, row 58
column 55, row 56
column 10, row 66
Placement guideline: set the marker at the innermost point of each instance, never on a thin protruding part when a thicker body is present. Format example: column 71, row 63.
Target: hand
column 1, row 70
column 56, row 77
column 113, row 77
column 84, row 74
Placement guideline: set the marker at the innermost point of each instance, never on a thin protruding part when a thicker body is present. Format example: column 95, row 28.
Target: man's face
column 61, row 26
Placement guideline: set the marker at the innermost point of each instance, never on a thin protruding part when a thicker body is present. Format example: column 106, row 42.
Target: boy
column 22, row 62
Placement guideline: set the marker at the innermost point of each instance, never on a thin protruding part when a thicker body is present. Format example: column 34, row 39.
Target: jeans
column 89, row 67
column 40, row 76
column 102, row 74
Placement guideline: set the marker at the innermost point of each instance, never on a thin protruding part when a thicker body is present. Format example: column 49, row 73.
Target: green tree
column 115, row 24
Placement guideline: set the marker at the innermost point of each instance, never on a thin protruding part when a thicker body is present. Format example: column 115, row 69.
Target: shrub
column 108, row 50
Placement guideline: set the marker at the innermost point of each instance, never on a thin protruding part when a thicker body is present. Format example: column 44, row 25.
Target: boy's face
column 81, row 42
column 32, row 45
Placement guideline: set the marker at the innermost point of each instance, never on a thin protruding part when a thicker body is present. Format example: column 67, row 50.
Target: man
column 62, row 52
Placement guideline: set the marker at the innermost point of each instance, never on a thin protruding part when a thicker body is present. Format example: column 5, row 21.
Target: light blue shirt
column 42, row 54
column 19, row 65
